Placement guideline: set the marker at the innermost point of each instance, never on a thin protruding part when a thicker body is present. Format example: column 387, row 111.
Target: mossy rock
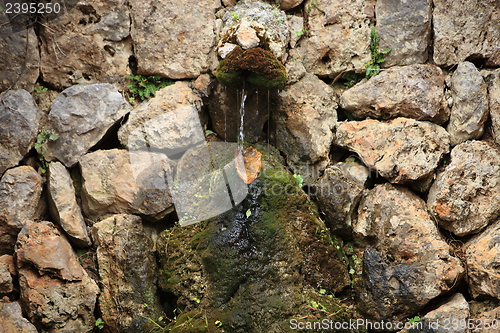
column 257, row 66
column 258, row 264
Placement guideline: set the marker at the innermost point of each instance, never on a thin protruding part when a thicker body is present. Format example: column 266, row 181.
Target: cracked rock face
column 466, row 195
column 401, row 150
column 415, row 91
column 470, row 104
column 406, row 263
column 483, row 257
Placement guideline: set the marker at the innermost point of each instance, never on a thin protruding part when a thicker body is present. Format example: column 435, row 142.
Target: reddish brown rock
column 7, row 271
column 482, row 256
column 465, row 197
column 401, row 150
column 40, row 244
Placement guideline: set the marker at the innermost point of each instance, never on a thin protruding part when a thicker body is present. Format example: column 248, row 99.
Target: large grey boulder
column 21, row 190
column 339, row 35
column 415, row 91
column 20, row 120
column 401, row 150
column 470, row 104
column 128, row 270
column 12, row 320
column 87, row 45
column 465, row 196
column 304, row 120
column 464, row 31
column 168, row 121
column 116, row 181
column 406, row 263
column 338, row 192
column 19, row 56
column 172, row 38
column 82, row 115
column 404, row 27
column 63, row 206
column 482, row 254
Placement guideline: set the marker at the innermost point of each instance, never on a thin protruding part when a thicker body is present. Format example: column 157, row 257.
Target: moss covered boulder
column 256, row 66
column 259, row 267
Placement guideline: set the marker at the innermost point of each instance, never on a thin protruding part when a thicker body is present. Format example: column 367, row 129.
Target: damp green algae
column 254, row 270
column 256, row 66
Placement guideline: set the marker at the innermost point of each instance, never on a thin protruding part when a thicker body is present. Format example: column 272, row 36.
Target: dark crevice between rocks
column 478, row 60
column 110, row 139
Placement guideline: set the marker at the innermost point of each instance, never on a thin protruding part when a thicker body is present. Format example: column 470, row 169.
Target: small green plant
column 235, row 15
column 218, row 323
column 313, row 4
column 377, row 57
column 208, row 132
column 300, row 180
column 131, row 100
column 41, row 139
column 99, row 323
column 414, row 319
column 145, row 87
column 301, row 33
column 39, row 89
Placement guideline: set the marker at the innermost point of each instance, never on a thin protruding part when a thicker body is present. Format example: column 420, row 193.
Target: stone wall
column 404, row 167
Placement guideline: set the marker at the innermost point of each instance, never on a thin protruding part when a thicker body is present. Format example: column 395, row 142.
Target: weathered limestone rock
column 81, row 115
column 41, row 245
column 252, row 265
column 443, row 319
column 404, row 27
column 128, row 270
column 11, row 319
column 246, row 36
column 493, row 82
column 296, row 24
column 116, row 181
column 415, row 91
column 174, row 39
column 464, row 32
column 87, row 45
column 339, row 35
column 63, row 206
column 268, row 22
column 57, row 306
column 19, row 56
column 168, row 121
column 20, row 121
column 20, row 193
column 406, row 262
column 401, row 150
column 338, row 193
column 470, row 104
column 482, row 256
column 466, row 196
column 7, row 271
column 304, row 122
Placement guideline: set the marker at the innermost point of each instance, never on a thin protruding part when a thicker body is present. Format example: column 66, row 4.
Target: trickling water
column 241, row 134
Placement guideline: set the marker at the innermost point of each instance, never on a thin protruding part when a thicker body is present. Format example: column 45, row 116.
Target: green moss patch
column 257, row 66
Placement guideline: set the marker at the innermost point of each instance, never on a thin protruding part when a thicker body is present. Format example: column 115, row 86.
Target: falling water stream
column 241, row 134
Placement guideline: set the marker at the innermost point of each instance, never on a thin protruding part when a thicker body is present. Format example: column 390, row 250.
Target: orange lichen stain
column 248, row 163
